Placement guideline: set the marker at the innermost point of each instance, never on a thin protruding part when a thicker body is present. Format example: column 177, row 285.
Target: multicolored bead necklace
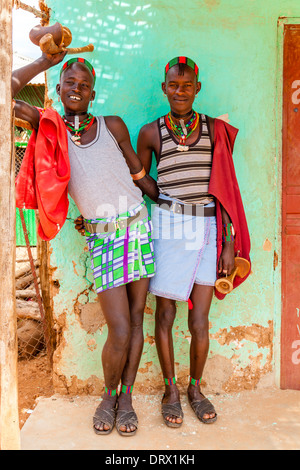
column 184, row 130
column 78, row 128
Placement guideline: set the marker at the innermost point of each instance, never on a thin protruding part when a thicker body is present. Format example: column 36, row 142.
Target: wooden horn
column 48, row 45
column 79, row 50
column 55, row 39
column 241, row 268
column 67, row 36
column 56, row 30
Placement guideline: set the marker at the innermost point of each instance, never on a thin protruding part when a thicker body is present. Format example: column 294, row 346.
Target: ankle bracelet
column 195, row 381
column 127, row 389
column 170, row 381
column 110, row 393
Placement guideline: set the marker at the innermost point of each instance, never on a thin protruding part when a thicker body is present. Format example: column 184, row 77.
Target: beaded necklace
column 183, row 130
column 77, row 128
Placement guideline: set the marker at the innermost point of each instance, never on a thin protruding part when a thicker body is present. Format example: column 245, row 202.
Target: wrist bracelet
column 228, row 233
column 139, row 175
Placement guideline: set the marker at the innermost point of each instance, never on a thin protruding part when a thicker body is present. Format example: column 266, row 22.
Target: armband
column 139, row 175
column 228, row 233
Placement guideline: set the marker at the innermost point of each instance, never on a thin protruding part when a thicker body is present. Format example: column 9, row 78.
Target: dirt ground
column 34, row 373
column 267, row 419
column 34, row 380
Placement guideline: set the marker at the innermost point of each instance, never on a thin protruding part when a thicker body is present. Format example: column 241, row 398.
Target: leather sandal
column 202, row 407
column 107, row 417
column 126, row 418
column 172, row 409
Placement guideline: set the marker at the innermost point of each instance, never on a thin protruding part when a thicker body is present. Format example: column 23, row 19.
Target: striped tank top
column 185, row 175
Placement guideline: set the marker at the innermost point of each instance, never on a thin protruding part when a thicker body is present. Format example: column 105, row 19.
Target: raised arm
column 24, row 75
column 147, row 184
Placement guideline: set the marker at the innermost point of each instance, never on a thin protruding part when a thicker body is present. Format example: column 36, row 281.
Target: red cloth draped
column 42, row 182
column 224, row 187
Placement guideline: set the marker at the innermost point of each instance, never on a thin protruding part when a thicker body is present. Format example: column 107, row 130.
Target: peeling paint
column 275, row 261
column 248, row 377
column 74, row 386
column 91, row 316
column 92, row 345
column 145, row 370
column 258, row 334
column 267, row 246
column 74, row 267
column 150, row 339
column 148, row 310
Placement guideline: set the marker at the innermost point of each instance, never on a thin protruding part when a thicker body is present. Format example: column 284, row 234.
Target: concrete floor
column 266, row 419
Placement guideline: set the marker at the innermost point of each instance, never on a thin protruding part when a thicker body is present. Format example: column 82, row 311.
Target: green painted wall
column 29, row 216
column 236, row 44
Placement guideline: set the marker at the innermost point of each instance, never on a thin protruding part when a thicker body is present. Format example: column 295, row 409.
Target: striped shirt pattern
column 185, row 175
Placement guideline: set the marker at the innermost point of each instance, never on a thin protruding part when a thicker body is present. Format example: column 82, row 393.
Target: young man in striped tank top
column 183, row 145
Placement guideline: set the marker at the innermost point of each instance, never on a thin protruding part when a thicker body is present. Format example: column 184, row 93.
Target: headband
column 182, row 60
column 81, row 61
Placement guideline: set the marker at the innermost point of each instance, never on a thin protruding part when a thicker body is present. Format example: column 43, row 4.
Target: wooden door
column 290, row 322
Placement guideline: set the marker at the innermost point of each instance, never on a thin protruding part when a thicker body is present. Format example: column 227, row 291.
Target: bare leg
column 137, row 293
column 201, row 297
column 114, row 303
column 164, row 319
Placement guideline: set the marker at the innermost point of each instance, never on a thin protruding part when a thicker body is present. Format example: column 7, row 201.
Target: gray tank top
column 100, row 183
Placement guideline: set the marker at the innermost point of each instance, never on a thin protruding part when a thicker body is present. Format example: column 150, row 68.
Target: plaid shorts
column 120, row 257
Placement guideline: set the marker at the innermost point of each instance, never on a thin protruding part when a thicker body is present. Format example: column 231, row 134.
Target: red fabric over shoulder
column 224, row 187
column 43, row 179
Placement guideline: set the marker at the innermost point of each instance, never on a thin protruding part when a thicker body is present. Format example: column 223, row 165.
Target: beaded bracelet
column 110, row 392
column 139, row 175
column 195, row 382
column 228, row 233
column 171, row 381
column 127, row 389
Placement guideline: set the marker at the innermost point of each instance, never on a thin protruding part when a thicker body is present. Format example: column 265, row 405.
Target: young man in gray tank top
column 123, row 303
column 183, row 155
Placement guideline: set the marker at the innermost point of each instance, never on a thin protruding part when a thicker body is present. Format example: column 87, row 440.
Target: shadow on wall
column 116, row 29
